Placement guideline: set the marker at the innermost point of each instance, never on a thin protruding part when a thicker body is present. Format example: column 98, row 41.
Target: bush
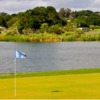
column 44, row 27
column 10, row 38
column 90, row 37
column 79, row 32
column 71, row 37
column 57, row 29
column 96, row 27
column 23, row 38
column 44, row 37
column 2, row 37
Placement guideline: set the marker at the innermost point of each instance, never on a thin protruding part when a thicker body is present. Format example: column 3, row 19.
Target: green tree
column 84, row 13
column 52, row 16
column 62, row 12
column 82, row 21
column 22, row 24
column 94, row 19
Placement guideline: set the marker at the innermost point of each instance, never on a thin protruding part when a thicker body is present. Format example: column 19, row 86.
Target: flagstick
column 15, row 77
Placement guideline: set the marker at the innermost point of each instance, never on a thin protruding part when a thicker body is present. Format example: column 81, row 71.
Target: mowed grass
column 75, row 84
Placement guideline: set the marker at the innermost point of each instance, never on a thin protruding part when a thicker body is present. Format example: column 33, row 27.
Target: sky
column 15, row 6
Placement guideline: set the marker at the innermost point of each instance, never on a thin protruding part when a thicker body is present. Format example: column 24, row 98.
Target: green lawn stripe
column 50, row 73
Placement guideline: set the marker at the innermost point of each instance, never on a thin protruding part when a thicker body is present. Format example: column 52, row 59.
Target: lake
column 49, row 56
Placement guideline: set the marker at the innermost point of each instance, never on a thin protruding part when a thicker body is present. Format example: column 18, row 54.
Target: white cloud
column 96, row 4
column 14, row 6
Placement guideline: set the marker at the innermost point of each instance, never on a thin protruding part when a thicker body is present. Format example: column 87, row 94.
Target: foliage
column 44, row 27
column 65, row 12
column 92, row 27
column 4, row 17
column 3, row 22
column 46, row 24
column 62, row 12
column 36, row 17
column 50, row 37
column 69, row 27
column 84, row 13
column 87, row 17
column 13, row 22
column 2, row 37
column 57, row 29
column 90, row 37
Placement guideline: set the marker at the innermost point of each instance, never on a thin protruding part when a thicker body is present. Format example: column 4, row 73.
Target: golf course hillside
column 69, row 84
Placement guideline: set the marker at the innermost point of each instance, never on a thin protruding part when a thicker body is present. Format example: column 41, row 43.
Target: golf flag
column 20, row 54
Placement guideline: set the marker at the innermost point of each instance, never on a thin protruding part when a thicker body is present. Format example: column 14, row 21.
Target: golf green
column 52, row 85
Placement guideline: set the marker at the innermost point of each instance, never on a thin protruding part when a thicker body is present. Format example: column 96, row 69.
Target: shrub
column 22, row 38
column 44, row 27
column 90, row 37
column 57, row 29
column 69, row 37
column 2, row 37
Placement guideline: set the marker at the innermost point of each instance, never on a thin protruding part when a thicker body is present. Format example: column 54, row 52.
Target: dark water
column 49, row 56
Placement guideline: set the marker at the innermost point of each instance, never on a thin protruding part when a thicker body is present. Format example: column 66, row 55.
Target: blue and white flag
column 20, row 54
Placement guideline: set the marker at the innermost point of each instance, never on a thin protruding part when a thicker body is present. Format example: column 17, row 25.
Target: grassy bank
column 51, row 37
column 75, row 84
column 51, row 73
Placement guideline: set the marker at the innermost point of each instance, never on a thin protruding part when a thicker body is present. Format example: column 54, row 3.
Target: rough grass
column 75, row 84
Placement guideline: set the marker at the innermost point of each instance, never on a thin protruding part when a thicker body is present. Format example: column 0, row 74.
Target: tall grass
column 90, row 37
column 44, row 37
column 2, row 37
column 50, row 37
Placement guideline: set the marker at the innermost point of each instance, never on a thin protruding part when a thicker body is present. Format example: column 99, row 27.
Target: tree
column 84, row 13
column 82, row 21
column 40, row 12
column 94, row 19
column 67, row 12
column 3, row 22
column 3, row 19
column 62, row 12
column 12, row 21
column 34, row 19
column 22, row 24
column 52, row 16
column 87, row 18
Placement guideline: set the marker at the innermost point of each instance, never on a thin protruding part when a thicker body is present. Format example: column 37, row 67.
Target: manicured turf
column 75, row 84
column 51, row 73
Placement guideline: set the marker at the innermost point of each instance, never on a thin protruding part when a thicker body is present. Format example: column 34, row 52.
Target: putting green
column 69, row 86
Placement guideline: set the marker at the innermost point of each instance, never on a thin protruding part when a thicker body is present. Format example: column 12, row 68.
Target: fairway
column 67, row 86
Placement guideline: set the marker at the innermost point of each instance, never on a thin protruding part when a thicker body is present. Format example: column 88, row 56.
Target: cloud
column 73, row 4
column 14, row 6
column 96, row 3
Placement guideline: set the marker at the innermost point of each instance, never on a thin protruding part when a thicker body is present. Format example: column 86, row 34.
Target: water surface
column 49, row 56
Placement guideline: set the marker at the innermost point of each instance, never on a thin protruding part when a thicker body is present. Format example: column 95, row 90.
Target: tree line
column 49, row 20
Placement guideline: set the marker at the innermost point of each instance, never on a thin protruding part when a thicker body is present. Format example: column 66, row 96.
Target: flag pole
column 15, row 77
column 18, row 55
